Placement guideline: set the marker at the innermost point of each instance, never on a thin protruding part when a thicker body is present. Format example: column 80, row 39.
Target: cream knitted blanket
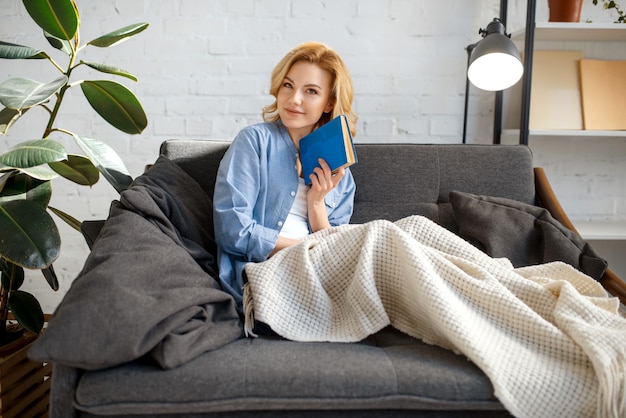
column 548, row 337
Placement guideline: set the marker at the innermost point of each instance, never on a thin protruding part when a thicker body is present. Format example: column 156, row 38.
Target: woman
column 261, row 204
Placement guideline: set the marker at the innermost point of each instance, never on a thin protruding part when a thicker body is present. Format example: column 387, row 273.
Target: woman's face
column 302, row 98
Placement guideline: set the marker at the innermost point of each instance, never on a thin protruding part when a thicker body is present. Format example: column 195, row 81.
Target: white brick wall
column 204, row 67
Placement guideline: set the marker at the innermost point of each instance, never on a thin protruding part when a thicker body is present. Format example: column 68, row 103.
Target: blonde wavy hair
column 341, row 82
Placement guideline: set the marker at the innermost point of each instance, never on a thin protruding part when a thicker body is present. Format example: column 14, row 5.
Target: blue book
column 332, row 142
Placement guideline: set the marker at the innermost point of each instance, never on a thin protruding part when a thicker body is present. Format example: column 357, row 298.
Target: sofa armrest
column 547, row 198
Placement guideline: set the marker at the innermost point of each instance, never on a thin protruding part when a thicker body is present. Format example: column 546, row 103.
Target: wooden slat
column 24, row 385
column 8, row 361
column 31, row 404
column 31, row 375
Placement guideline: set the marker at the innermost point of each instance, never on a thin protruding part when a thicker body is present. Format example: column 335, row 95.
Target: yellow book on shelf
column 555, row 101
column 603, row 89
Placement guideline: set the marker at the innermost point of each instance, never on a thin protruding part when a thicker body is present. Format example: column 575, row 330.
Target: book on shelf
column 332, row 142
column 555, row 101
column 603, row 90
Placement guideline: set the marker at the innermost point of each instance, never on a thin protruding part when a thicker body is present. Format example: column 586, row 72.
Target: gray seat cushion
column 386, row 371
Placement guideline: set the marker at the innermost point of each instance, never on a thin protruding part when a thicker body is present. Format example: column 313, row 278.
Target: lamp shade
column 495, row 62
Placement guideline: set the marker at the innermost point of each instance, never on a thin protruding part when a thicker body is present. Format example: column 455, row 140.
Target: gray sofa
column 119, row 352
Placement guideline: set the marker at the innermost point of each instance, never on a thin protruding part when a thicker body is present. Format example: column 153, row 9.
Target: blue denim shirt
column 255, row 188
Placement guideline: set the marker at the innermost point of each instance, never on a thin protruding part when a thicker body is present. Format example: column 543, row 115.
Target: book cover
column 555, row 101
column 332, row 142
column 603, row 87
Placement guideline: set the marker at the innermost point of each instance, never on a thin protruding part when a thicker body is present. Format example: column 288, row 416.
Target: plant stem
column 64, row 131
column 55, row 64
column 61, row 93
column 4, row 310
column 4, row 305
column 55, row 111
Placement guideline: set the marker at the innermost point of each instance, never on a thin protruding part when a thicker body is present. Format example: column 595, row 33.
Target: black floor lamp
column 493, row 63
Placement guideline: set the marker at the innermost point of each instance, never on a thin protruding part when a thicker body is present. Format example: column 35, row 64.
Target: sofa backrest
column 397, row 180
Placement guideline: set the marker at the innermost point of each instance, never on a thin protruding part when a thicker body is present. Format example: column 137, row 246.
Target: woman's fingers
column 324, row 178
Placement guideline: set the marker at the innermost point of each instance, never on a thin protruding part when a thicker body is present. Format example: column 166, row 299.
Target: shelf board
column 536, row 133
column 561, row 31
column 601, row 230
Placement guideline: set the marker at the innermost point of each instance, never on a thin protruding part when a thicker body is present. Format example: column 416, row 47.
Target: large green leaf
column 107, row 160
column 33, row 153
column 109, row 69
column 14, row 51
column 8, row 117
column 26, row 310
column 57, row 17
column 21, row 93
column 28, row 235
column 12, row 275
column 69, row 219
column 78, row 169
column 116, row 104
column 60, row 44
column 41, row 172
column 22, row 186
column 118, row 36
column 51, row 277
column 4, row 178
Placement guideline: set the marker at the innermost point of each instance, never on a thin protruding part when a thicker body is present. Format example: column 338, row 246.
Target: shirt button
column 293, row 193
column 280, row 223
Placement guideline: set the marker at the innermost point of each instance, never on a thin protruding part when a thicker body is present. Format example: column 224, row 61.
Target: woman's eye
column 287, row 84
column 311, row 91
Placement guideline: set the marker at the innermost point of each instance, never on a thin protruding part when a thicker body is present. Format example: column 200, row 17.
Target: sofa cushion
column 411, row 179
column 525, row 234
column 416, row 179
column 200, row 159
column 387, row 370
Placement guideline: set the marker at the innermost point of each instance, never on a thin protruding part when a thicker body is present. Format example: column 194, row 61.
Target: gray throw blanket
column 148, row 287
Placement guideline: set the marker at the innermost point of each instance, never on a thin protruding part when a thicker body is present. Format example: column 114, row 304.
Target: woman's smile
column 294, row 112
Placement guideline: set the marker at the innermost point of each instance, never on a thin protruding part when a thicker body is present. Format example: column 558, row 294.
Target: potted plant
column 610, row 4
column 29, row 238
column 564, row 10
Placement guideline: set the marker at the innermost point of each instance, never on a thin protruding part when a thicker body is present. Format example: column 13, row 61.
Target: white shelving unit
column 602, row 231
column 539, row 134
column 601, row 41
column 561, row 31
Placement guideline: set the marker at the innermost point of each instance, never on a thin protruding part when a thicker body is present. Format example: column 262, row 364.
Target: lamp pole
column 528, row 65
column 469, row 50
column 497, row 107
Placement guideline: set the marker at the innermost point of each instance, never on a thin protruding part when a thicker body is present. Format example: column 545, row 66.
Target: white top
column 296, row 225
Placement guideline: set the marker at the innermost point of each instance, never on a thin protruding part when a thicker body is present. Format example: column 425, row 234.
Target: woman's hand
column 323, row 180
